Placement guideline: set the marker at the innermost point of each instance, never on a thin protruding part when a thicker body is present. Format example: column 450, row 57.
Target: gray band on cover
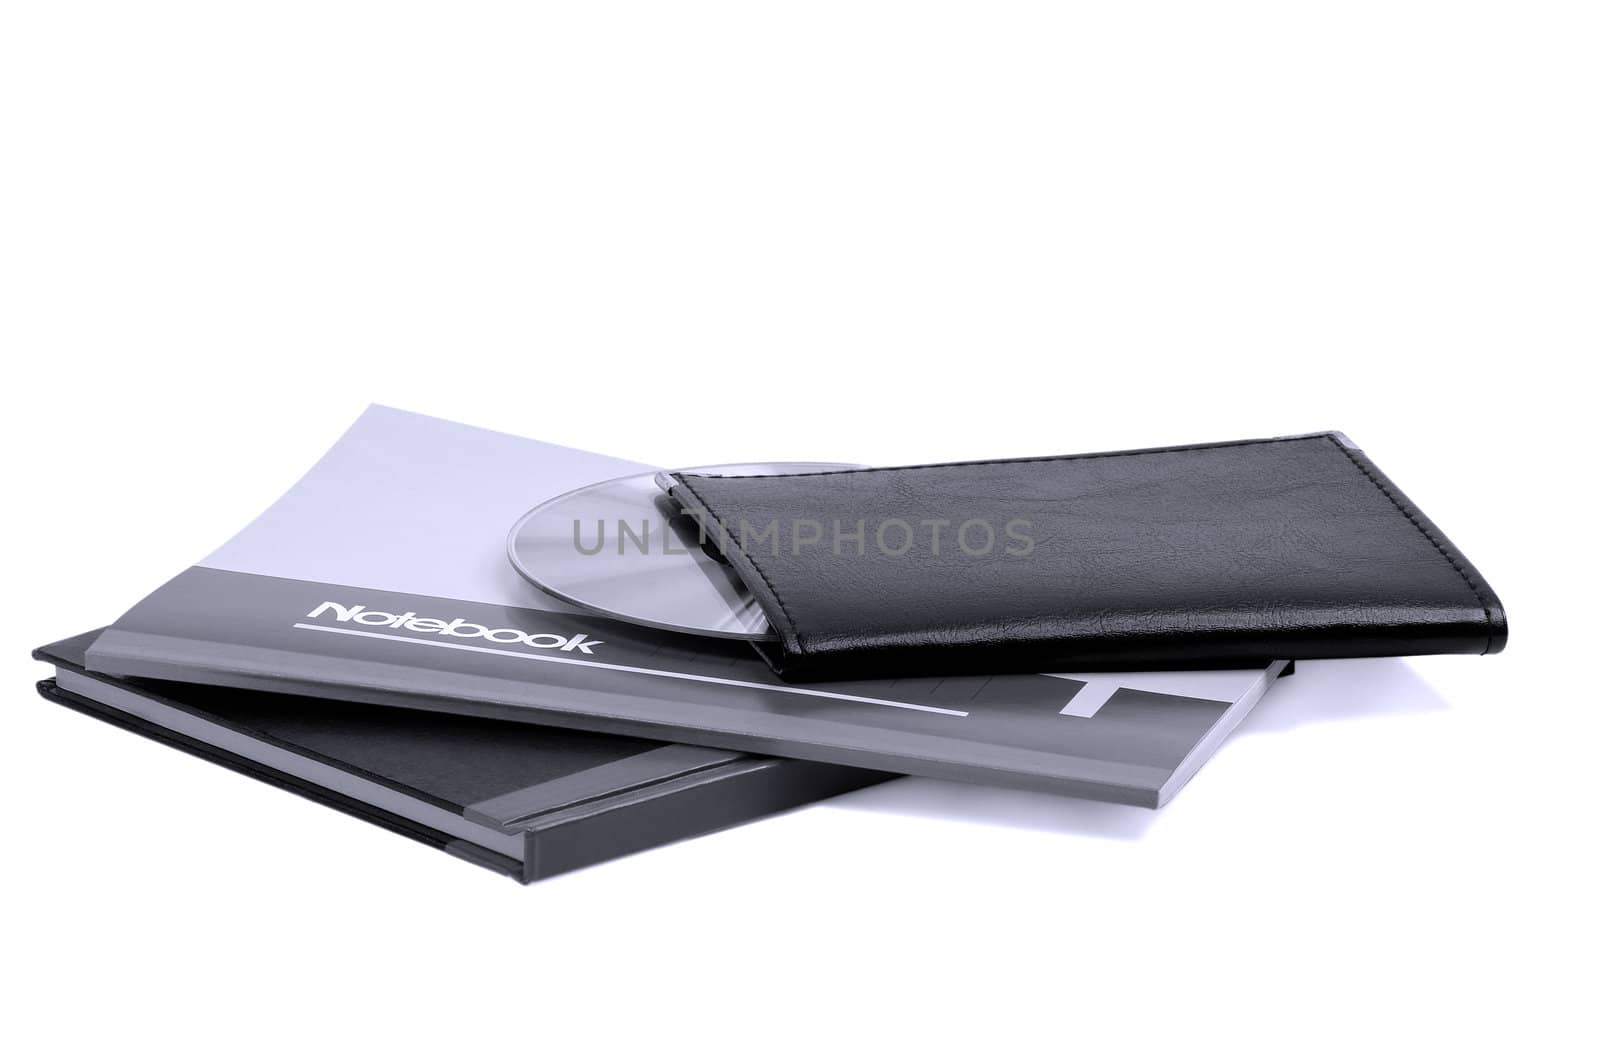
column 652, row 766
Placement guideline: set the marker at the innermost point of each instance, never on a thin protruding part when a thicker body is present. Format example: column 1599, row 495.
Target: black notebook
column 520, row 799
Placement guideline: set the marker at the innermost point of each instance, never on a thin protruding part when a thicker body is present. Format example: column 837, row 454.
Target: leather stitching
column 1007, row 461
column 760, row 573
column 1466, row 577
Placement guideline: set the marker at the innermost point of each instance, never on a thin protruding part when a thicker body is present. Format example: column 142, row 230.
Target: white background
column 691, row 232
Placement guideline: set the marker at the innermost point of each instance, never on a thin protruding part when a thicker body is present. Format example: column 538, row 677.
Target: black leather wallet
column 1217, row 554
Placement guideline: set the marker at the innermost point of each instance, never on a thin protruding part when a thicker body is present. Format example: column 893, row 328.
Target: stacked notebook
column 366, row 643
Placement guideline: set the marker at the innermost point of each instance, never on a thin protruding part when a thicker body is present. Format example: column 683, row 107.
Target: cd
column 621, row 549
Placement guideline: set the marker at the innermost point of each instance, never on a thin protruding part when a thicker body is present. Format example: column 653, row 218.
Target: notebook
column 382, row 577
column 520, row 799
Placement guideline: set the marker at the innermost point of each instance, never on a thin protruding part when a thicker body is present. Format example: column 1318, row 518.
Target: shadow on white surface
column 1319, row 692
column 1322, row 692
column 1001, row 807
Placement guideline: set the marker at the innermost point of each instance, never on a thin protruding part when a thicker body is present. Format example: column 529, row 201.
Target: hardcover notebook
column 523, row 800
column 380, row 576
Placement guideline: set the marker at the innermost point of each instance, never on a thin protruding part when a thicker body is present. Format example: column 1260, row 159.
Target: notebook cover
column 382, row 577
column 556, row 799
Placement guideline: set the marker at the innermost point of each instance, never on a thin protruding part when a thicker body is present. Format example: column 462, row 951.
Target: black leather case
column 1208, row 555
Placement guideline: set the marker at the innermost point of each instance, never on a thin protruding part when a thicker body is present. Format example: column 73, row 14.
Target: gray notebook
column 382, row 577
